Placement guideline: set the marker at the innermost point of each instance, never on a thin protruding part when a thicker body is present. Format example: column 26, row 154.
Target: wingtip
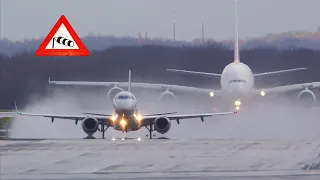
column 51, row 82
column 173, row 70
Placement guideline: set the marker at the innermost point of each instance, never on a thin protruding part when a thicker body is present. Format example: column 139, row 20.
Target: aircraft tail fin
column 236, row 35
column 129, row 81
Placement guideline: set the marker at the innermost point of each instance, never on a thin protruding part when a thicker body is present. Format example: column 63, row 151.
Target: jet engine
column 162, row 125
column 167, row 96
column 307, row 98
column 90, row 125
column 113, row 92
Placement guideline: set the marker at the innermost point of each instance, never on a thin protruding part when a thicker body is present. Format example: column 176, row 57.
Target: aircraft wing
column 150, row 119
column 278, row 72
column 290, row 88
column 170, row 87
column 100, row 114
column 60, row 116
column 195, row 73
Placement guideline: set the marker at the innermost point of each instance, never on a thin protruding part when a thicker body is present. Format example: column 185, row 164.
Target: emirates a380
column 236, row 80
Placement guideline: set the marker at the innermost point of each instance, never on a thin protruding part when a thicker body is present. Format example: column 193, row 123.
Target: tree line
column 98, row 43
column 23, row 74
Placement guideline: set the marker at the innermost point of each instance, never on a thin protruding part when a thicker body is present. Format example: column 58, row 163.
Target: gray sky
column 34, row 18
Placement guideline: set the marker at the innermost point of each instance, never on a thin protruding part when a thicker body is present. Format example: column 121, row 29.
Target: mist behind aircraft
column 267, row 121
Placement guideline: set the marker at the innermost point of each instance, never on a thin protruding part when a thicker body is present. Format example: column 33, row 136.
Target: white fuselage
column 237, row 80
column 125, row 106
column 124, row 103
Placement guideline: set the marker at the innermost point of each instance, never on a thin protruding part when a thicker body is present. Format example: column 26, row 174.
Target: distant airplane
column 126, row 116
column 237, row 82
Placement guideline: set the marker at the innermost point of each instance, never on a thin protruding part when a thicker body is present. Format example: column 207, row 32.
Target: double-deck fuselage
column 126, row 117
column 237, row 80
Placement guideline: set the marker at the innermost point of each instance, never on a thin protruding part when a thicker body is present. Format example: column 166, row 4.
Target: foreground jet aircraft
column 126, row 117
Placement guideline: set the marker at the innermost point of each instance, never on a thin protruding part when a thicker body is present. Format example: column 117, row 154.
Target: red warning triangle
column 62, row 40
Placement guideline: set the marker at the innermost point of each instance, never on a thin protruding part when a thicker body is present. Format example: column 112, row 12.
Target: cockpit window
column 237, row 81
column 125, row 97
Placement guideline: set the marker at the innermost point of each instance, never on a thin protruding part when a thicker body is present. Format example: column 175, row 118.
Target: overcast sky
column 34, row 18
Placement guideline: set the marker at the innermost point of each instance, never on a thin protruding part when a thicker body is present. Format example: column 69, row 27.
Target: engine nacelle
column 167, row 97
column 307, row 98
column 90, row 125
column 113, row 92
column 162, row 124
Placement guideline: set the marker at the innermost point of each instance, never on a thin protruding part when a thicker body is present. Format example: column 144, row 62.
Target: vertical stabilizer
column 236, row 35
column 202, row 29
column 174, row 27
column 129, row 81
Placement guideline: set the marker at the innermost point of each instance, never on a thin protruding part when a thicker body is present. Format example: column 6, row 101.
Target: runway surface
column 159, row 159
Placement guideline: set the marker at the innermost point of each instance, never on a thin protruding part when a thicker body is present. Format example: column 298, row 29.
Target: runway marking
column 152, row 156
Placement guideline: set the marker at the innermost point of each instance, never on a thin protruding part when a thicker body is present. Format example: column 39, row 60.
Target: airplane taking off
column 126, row 117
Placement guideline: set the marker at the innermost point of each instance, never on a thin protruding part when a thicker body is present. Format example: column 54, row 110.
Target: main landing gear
column 103, row 130
column 150, row 129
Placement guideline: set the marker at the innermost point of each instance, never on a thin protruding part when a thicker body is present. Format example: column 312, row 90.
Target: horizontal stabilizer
column 278, row 72
column 195, row 73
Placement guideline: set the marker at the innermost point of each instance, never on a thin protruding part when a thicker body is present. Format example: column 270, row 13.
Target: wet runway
column 159, row 159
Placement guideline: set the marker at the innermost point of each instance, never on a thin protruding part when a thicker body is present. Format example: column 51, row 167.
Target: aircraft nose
column 241, row 88
column 124, row 105
column 237, row 89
